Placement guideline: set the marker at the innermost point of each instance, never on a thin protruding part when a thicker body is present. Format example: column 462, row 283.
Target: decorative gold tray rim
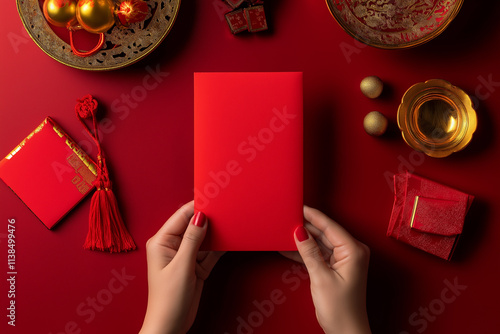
column 409, row 44
column 125, row 63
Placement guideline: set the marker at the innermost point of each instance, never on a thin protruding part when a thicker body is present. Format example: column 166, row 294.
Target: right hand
column 338, row 267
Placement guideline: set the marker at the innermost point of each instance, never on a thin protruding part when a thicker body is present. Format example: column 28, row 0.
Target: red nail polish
column 199, row 219
column 301, row 233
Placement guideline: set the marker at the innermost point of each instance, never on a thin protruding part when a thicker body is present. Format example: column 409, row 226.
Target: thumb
column 310, row 252
column 193, row 237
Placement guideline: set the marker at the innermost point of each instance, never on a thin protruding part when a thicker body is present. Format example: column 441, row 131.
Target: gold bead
column 375, row 123
column 61, row 13
column 95, row 16
column 371, row 86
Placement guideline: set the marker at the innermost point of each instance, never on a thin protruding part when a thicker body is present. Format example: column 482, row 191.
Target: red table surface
column 61, row 288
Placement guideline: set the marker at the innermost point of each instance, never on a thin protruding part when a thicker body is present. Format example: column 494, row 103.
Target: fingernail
column 301, row 233
column 199, row 219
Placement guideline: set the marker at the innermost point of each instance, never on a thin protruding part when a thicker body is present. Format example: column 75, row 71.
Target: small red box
column 256, row 18
column 234, row 3
column 49, row 172
column 237, row 21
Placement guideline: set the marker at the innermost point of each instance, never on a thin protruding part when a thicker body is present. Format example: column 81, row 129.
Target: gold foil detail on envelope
column 21, row 145
column 78, row 153
column 76, row 149
column 414, row 210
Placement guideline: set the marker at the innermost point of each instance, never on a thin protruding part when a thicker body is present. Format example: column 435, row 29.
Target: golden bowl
column 436, row 118
column 394, row 24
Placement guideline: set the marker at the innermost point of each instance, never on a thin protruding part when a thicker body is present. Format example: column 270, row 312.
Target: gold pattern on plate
column 394, row 24
column 123, row 46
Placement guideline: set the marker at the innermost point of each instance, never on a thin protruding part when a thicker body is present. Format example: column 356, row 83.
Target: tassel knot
column 86, row 107
column 107, row 231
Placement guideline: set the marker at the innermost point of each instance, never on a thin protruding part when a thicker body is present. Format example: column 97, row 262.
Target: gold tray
column 436, row 118
column 394, row 24
column 123, row 46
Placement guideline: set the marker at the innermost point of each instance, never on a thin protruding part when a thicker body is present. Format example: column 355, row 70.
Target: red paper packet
column 248, row 156
column 427, row 215
column 49, row 172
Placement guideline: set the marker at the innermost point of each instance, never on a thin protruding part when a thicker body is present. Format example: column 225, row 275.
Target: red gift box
column 237, row 21
column 427, row 215
column 49, row 172
column 256, row 18
column 234, row 3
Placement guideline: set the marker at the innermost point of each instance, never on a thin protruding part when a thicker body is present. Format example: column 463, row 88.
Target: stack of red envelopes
column 427, row 215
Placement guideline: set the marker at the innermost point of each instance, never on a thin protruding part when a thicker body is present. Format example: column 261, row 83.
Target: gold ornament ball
column 61, row 13
column 371, row 86
column 96, row 16
column 375, row 123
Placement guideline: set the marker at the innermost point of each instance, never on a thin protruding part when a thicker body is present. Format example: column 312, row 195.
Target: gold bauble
column 375, row 123
column 96, row 16
column 371, row 86
column 61, row 13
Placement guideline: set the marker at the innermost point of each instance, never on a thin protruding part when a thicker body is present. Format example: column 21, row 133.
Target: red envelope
column 427, row 215
column 248, row 158
column 49, row 172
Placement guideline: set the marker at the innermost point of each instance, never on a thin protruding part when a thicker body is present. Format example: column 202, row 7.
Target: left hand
column 176, row 272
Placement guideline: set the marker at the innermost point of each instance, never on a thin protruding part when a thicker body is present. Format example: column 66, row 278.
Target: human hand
column 338, row 267
column 176, row 272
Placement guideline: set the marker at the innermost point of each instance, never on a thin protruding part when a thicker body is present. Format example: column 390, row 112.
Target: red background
column 150, row 151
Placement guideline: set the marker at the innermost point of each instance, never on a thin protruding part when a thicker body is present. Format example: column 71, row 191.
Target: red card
column 248, row 158
column 427, row 215
column 48, row 172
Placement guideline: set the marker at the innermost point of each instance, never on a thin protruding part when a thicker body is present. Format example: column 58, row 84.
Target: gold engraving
column 83, row 187
column 393, row 24
column 86, row 174
column 74, row 161
column 124, row 46
column 84, row 177
column 76, row 179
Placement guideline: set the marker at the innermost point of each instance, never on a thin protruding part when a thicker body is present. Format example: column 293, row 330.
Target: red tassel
column 107, row 231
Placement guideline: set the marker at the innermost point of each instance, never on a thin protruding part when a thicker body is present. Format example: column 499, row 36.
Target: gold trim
column 74, row 147
column 414, row 210
column 412, row 43
column 21, row 144
column 60, row 132
column 43, row 36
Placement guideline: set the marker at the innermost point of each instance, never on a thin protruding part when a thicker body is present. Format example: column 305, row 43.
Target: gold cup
column 436, row 118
